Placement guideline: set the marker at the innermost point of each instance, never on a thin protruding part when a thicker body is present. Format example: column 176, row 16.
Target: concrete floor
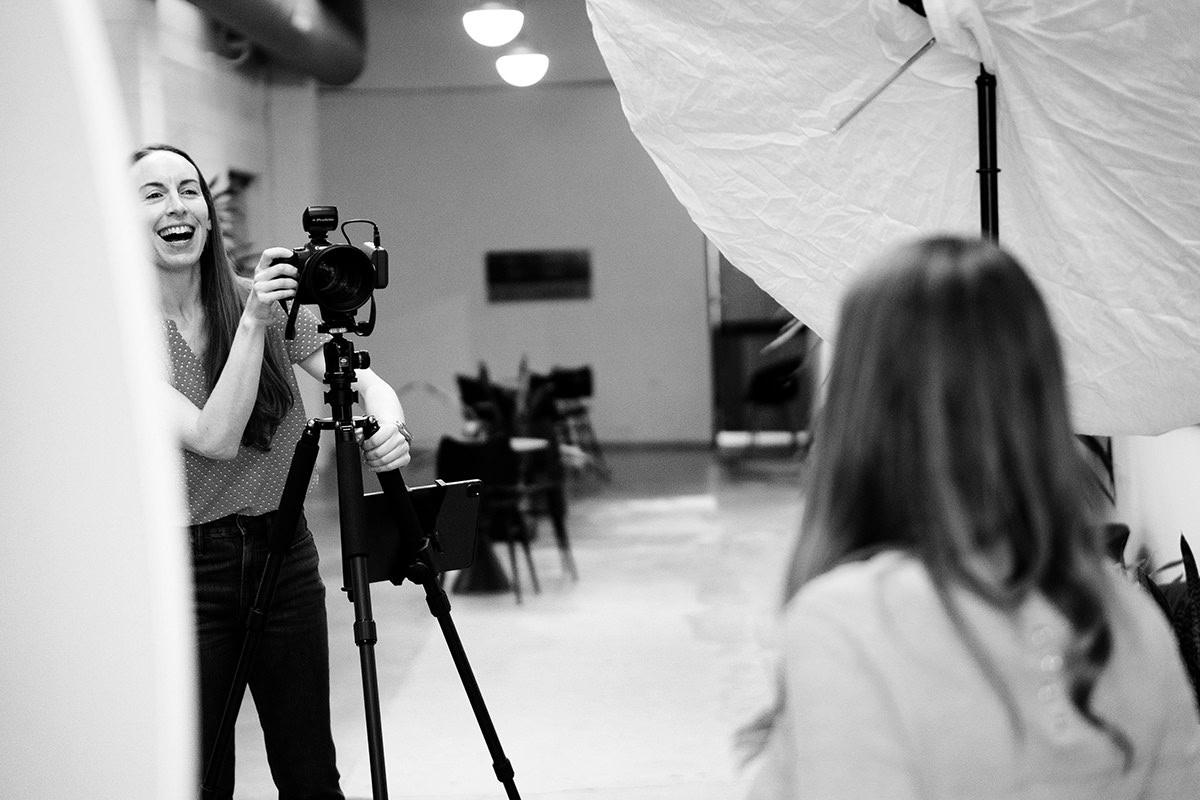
column 628, row 684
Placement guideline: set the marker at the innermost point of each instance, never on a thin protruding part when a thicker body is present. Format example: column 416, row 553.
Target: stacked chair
column 520, row 482
column 539, row 420
column 572, row 388
column 491, row 408
column 501, row 514
column 776, row 387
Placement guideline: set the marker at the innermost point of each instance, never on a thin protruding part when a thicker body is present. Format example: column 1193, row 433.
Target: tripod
column 416, row 560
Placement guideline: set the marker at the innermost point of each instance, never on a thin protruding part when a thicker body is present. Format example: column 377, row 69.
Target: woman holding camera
column 235, row 394
column 953, row 627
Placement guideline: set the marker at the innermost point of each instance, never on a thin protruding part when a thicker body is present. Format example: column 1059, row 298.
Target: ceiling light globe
column 493, row 24
column 522, row 66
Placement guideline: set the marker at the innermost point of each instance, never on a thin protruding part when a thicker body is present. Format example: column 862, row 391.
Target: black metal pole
column 989, row 196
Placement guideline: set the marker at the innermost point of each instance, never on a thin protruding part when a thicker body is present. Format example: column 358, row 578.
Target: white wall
column 1158, row 491
column 451, row 175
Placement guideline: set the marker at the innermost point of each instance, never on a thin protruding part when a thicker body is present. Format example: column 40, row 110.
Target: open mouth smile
column 177, row 234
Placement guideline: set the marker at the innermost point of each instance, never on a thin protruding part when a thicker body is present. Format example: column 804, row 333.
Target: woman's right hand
column 272, row 283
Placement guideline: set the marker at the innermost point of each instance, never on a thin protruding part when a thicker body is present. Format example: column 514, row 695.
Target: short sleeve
column 847, row 734
column 308, row 339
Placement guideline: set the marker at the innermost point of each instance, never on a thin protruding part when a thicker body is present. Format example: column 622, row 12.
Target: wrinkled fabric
column 1098, row 130
column 959, row 26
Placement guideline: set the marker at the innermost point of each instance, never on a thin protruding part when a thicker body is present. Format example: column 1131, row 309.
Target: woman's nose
column 174, row 203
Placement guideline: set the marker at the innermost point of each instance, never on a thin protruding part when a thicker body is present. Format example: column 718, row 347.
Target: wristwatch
column 408, row 437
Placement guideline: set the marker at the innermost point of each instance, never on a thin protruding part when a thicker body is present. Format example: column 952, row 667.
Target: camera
column 339, row 278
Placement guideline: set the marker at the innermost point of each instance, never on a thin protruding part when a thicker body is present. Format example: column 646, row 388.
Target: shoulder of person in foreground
column 855, row 587
column 840, row 735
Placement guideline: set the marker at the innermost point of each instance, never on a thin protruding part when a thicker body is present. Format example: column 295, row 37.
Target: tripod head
column 415, row 535
column 341, row 361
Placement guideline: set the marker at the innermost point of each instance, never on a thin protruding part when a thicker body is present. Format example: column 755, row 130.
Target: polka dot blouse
column 252, row 482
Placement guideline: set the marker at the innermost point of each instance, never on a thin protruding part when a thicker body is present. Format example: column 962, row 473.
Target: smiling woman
column 206, row 304
column 175, row 208
column 237, row 402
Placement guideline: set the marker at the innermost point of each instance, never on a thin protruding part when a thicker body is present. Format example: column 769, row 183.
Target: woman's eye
column 190, row 192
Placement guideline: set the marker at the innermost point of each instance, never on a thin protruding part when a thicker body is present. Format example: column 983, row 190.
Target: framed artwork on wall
column 516, row 275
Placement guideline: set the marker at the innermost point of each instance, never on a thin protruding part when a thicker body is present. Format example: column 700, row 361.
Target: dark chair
column 543, row 471
column 541, row 403
column 529, row 410
column 502, row 515
column 494, row 407
column 572, row 388
column 776, row 386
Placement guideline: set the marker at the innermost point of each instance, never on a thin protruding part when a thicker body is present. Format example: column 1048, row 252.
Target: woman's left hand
column 387, row 449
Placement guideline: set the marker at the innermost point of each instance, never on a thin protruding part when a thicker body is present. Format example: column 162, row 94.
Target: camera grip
column 289, row 332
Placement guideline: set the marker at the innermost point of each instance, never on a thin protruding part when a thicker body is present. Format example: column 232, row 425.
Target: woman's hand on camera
column 272, row 282
column 387, row 449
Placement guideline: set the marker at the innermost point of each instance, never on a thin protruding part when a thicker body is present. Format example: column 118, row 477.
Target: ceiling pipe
column 303, row 35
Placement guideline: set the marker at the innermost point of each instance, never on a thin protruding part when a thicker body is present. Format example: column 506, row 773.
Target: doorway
column 763, row 363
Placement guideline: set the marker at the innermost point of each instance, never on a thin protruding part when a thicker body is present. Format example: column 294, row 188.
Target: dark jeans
column 289, row 676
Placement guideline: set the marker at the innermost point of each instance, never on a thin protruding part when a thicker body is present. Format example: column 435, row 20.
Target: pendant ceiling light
column 522, row 65
column 493, row 24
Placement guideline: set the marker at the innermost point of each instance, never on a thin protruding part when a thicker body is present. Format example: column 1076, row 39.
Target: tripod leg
column 352, row 511
column 421, row 570
column 439, row 606
column 355, row 554
column 286, row 519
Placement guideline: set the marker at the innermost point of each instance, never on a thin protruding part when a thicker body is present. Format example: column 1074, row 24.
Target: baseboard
column 745, row 440
column 655, row 445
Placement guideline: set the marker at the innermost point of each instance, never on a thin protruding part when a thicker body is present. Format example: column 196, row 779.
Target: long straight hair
column 946, row 434
column 223, row 297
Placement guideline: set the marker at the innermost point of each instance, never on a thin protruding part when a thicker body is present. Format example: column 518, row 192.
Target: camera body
column 340, row 278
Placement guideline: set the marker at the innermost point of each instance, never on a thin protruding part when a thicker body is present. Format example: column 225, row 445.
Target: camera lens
column 338, row 278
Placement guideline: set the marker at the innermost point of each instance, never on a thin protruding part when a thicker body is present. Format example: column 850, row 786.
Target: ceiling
column 421, row 45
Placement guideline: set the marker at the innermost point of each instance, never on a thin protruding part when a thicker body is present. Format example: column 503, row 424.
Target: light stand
column 989, row 196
